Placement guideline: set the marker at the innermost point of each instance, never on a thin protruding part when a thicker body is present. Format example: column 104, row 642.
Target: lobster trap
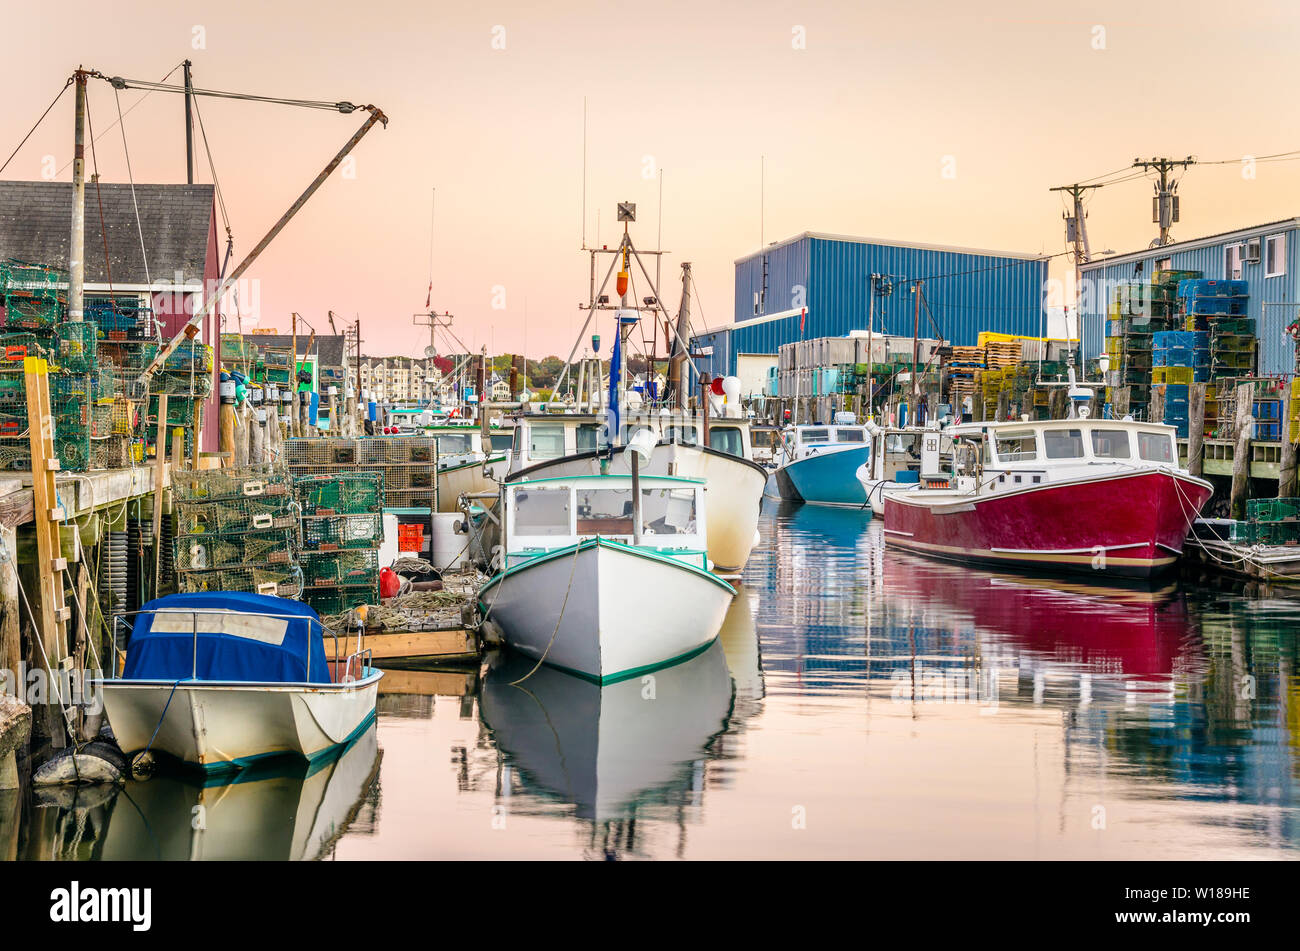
column 333, row 532
column 343, row 493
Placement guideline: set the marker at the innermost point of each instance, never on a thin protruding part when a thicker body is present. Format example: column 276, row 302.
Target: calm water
column 861, row 703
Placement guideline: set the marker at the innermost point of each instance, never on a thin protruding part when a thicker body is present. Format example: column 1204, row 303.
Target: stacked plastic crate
column 236, row 530
column 342, row 531
column 1179, row 358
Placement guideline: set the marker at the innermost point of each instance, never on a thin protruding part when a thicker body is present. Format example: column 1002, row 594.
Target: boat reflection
column 280, row 810
column 620, row 752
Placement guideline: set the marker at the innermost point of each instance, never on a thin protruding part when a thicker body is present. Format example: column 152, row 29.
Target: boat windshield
column 545, row 442
column 668, row 511
column 588, row 436
column 815, row 435
column 1110, row 444
column 1018, row 446
column 502, row 441
column 726, row 439
column 849, row 435
column 1062, row 443
column 681, row 435
column 604, row 511
column 542, row 511
column 1156, row 447
column 452, row 444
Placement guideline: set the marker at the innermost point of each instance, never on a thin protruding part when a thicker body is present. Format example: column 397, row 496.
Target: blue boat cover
column 243, row 637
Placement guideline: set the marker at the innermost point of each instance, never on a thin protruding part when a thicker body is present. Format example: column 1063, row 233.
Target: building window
column 1164, row 264
column 1275, row 255
column 1232, row 262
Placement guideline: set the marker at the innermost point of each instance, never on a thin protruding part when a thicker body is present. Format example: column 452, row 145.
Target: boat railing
column 119, row 621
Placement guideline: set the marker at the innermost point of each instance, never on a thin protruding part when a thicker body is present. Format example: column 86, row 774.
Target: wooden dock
column 410, row 648
column 1273, row 565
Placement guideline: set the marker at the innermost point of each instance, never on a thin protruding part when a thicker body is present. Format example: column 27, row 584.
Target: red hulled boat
column 1076, row 495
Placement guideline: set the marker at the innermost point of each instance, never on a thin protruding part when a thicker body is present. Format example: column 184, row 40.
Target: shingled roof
column 328, row 348
column 36, row 218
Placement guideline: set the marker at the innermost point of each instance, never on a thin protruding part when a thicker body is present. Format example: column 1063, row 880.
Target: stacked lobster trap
column 237, row 530
column 341, row 532
column 407, row 464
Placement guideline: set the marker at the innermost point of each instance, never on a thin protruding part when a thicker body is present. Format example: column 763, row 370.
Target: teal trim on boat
column 255, row 761
column 470, row 465
column 643, row 478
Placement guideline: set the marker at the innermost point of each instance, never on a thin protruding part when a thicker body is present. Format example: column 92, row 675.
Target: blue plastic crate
column 1201, row 373
column 1181, row 428
column 1267, row 409
column 1217, row 306
column 1268, row 432
column 1200, row 288
column 1169, row 339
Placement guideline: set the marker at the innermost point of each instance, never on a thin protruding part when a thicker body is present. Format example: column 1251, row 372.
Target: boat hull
column 1131, row 525
column 576, row 609
column 229, row 725
column 733, row 486
column 825, row 478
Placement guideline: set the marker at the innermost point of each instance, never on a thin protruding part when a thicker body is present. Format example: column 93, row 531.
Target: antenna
column 584, row 173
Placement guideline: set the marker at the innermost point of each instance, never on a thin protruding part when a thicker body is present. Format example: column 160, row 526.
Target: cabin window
column 1063, row 443
column 604, row 511
column 452, row 444
column 588, row 436
column 668, row 511
column 726, row 439
column 1156, row 447
column 542, row 511
column 546, row 442
column 815, row 435
column 1110, row 444
column 502, row 441
column 849, row 435
column 1017, row 446
column 903, row 443
column 682, row 435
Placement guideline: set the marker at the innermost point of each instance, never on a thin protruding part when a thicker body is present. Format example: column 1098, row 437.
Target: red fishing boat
column 1087, row 495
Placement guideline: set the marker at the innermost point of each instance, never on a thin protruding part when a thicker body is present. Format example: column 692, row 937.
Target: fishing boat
column 894, row 463
column 606, row 576
column 465, row 466
column 1074, row 494
column 819, row 464
column 715, row 451
column 224, row 680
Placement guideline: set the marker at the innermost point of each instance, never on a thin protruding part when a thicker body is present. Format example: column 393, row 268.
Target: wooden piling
column 1245, row 424
column 1196, row 429
column 1286, row 476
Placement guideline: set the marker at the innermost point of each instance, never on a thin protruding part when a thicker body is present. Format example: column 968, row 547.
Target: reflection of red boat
column 1135, row 631
column 1063, row 495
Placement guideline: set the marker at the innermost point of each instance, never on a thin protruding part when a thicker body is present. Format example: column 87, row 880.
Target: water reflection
column 281, row 810
column 618, row 753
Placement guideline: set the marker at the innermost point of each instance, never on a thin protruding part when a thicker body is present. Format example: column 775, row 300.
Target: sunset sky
column 855, row 128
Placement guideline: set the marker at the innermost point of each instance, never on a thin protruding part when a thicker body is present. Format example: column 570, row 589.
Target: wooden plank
column 159, row 482
column 390, row 646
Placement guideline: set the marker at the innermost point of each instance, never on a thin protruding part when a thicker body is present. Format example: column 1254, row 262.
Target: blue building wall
column 1276, row 348
column 966, row 292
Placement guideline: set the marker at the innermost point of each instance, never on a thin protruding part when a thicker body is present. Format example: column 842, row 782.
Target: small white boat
column 223, row 680
column 606, row 577
column 895, row 462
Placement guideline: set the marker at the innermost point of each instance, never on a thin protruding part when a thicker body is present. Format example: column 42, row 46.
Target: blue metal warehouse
column 827, row 277
column 1267, row 256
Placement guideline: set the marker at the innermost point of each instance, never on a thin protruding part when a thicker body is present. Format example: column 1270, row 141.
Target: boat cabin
column 549, row 436
column 1005, row 456
column 546, row 514
column 803, row 441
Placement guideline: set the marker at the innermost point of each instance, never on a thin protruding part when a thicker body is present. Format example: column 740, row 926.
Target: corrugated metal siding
column 787, row 272
column 1276, row 348
column 966, row 293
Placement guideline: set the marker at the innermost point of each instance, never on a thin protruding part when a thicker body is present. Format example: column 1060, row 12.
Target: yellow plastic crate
column 1172, row 374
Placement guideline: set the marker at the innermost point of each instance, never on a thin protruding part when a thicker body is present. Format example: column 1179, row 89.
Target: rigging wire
column 34, row 127
column 131, row 178
column 128, row 111
column 119, row 83
column 212, row 168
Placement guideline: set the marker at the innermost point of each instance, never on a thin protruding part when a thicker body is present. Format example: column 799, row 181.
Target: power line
column 34, row 128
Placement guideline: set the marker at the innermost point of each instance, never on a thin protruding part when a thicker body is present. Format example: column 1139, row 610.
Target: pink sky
column 855, row 128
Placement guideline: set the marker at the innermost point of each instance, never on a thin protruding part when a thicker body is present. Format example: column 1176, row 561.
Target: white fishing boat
column 894, row 463
column 567, row 445
column 606, row 576
column 223, row 680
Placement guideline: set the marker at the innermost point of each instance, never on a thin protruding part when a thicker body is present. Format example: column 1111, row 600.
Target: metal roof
column 1285, row 224
column 890, row 243
column 36, row 223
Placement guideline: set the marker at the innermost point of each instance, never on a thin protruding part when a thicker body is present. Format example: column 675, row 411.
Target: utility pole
column 1164, row 206
column 871, row 325
column 189, row 124
column 1076, row 234
column 77, row 244
column 916, row 350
